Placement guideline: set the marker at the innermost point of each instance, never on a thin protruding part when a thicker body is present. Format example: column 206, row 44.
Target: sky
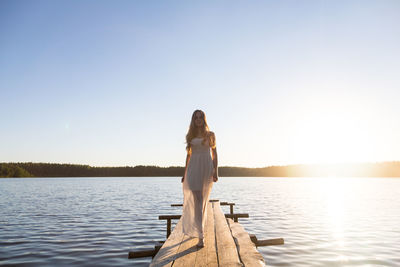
column 114, row 83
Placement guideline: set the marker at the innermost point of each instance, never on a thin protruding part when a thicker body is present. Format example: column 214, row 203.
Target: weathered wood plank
column 248, row 253
column 167, row 254
column 212, row 258
column 201, row 256
column 186, row 254
column 226, row 247
column 207, row 256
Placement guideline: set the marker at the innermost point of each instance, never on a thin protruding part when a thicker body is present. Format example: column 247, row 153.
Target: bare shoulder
column 211, row 138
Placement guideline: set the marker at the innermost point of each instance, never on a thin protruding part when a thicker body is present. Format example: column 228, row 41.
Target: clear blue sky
column 114, row 83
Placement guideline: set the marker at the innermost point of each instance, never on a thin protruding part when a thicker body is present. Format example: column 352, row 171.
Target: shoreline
column 31, row 170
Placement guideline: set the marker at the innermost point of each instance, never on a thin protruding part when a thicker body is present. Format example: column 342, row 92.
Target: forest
column 30, row 169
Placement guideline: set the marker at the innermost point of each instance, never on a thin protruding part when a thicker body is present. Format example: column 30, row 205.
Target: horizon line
column 176, row 166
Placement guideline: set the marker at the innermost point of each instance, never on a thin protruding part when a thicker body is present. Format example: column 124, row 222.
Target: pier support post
column 169, row 218
column 168, row 227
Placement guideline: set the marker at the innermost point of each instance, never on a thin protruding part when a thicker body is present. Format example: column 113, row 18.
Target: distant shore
column 30, row 169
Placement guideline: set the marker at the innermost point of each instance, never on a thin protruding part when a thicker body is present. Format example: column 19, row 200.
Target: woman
column 201, row 170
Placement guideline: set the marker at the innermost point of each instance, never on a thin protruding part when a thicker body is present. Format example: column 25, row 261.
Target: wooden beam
column 169, row 217
column 144, row 253
column 141, row 253
column 235, row 216
column 211, row 200
column 270, row 242
column 228, row 204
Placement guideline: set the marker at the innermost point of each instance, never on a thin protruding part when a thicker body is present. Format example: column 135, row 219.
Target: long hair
column 203, row 131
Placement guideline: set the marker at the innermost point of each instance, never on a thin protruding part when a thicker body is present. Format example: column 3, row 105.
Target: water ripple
column 97, row 221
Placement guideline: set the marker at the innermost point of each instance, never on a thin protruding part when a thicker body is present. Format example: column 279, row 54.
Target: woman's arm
column 186, row 164
column 215, row 163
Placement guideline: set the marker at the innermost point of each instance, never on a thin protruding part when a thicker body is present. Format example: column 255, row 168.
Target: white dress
column 196, row 188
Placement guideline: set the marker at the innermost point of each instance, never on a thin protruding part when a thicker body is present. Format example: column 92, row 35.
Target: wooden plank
column 167, row 254
column 186, row 254
column 207, row 256
column 201, row 257
column 212, row 258
column 248, row 253
column 226, row 247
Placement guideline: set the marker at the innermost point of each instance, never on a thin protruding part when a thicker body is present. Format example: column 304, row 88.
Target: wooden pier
column 226, row 243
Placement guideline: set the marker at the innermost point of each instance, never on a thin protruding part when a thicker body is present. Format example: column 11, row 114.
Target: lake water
column 97, row 221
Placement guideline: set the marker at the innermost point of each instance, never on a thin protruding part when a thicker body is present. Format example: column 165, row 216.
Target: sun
column 331, row 135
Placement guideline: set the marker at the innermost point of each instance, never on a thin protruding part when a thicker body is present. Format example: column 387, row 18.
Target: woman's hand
column 215, row 176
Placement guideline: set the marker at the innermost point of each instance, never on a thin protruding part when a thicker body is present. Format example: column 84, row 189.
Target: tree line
column 30, row 169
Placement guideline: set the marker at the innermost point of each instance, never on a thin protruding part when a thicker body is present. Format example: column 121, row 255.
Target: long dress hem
column 197, row 188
